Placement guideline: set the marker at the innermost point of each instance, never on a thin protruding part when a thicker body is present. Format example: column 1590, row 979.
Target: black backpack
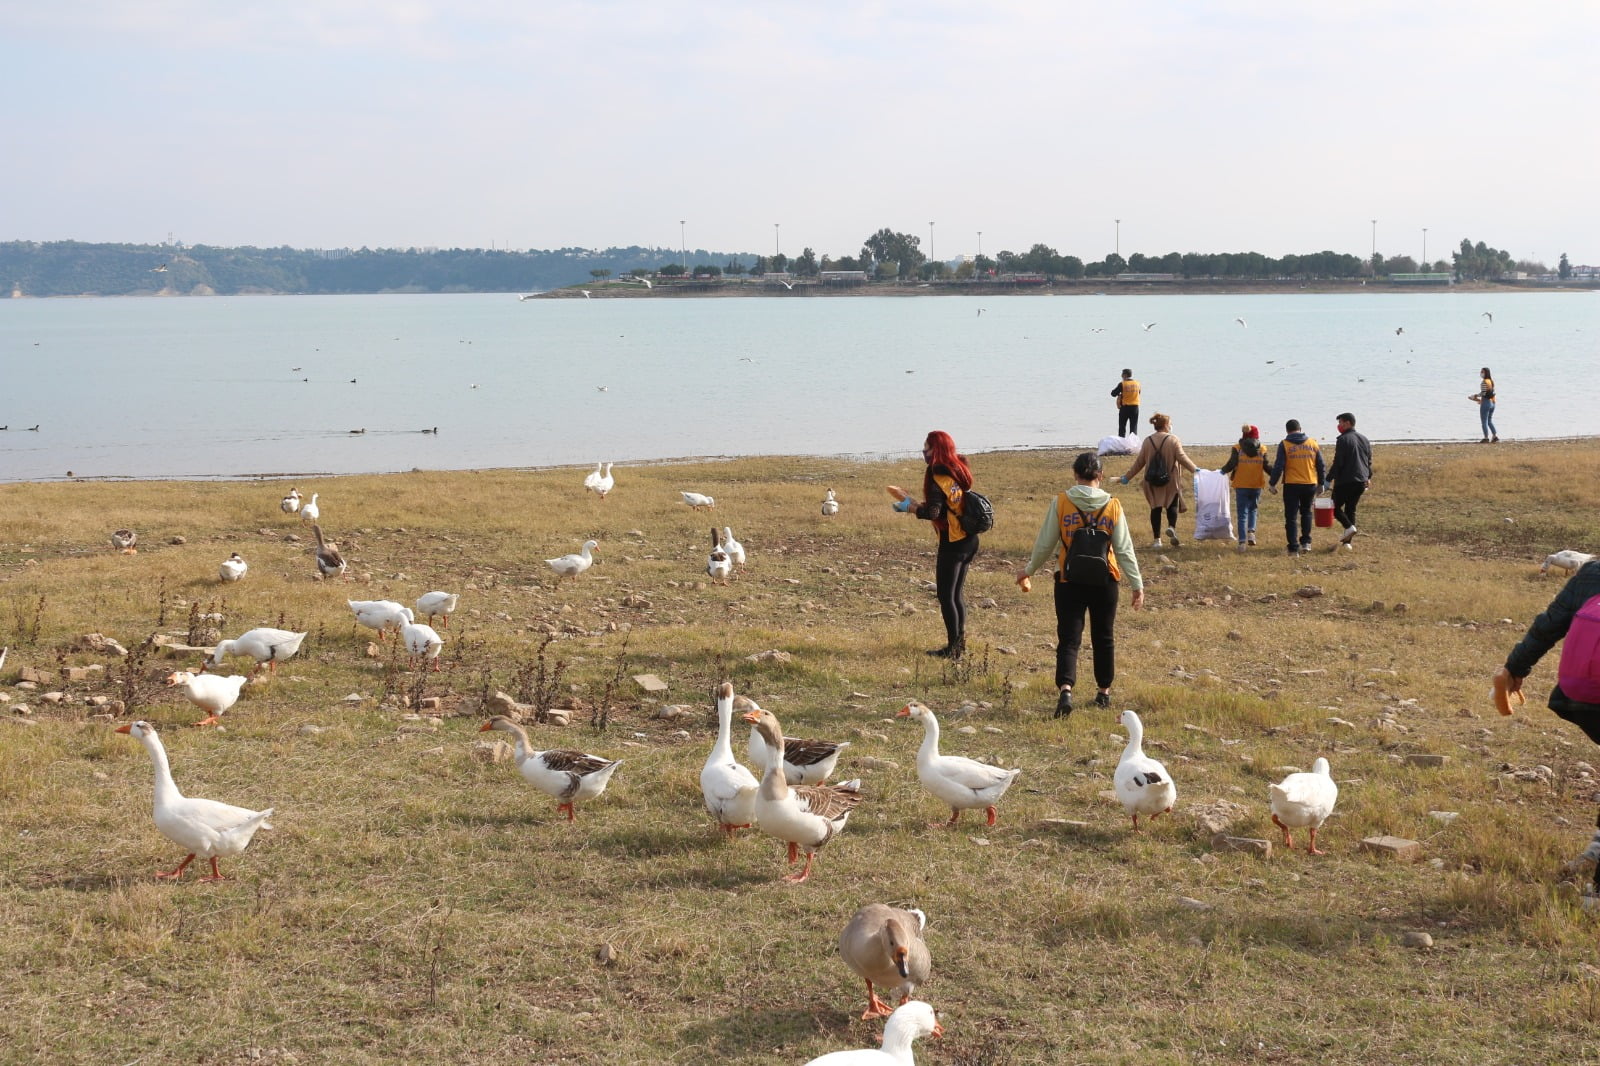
column 977, row 513
column 1158, row 472
column 1089, row 553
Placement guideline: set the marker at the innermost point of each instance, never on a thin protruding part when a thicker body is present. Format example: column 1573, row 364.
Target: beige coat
column 1172, row 451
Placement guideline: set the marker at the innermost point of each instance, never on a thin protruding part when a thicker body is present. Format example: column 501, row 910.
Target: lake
column 257, row 385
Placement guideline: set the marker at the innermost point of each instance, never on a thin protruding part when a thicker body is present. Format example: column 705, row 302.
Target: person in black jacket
column 1543, row 634
column 944, row 486
column 1349, row 476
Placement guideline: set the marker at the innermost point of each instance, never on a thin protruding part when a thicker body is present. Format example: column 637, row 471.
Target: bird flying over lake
column 1399, row 330
column 1242, row 322
column 1489, row 316
column 1148, row 326
column 586, row 294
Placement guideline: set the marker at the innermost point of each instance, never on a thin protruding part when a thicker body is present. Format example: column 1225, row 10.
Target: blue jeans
column 1246, row 502
column 1486, row 416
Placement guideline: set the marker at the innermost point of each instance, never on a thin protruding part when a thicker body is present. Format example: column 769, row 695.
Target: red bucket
column 1322, row 513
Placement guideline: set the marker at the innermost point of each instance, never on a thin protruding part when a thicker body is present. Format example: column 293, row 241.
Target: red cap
column 1253, row 433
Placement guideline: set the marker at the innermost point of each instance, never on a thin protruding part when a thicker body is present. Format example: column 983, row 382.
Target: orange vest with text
column 1073, row 520
column 1129, row 397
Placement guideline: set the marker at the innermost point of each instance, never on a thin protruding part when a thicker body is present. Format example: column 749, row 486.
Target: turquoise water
column 208, row 387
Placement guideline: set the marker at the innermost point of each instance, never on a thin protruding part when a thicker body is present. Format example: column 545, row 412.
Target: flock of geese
column 787, row 797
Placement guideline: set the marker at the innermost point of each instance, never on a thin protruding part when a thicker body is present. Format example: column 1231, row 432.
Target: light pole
column 980, row 244
column 1118, row 248
column 1424, row 247
column 1374, row 259
column 930, row 243
column 682, row 247
column 776, row 251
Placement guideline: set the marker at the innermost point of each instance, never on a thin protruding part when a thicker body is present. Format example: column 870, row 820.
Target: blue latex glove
column 1122, row 480
column 905, row 505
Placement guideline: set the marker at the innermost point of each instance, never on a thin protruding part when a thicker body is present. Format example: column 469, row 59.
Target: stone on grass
column 1416, row 938
column 1397, row 848
column 650, row 682
column 1249, row 845
column 491, row 751
column 771, row 655
column 1427, row 760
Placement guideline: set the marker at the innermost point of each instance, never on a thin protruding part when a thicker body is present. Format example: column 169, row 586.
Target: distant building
column 1429, row 278
column 843, row 277
column 1021, row 278
column 1128, row 275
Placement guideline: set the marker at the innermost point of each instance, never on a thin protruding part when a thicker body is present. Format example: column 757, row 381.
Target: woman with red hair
column 944, row 485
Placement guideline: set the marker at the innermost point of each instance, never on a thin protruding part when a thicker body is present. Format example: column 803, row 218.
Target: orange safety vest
column 1250, row 471
column 1129, row 396
column 1486, row 390
column 1073, row 520
column 1300, row 462
column 956, row 497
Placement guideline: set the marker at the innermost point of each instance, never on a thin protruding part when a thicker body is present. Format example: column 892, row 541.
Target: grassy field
column 415, row 904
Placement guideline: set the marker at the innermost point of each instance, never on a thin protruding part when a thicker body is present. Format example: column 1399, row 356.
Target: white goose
column 233, row 568
column 605, row 483
column 718, row 564
column 965, row 784
column 381, row 615
column 431, row 605
column 264, row 645
column 804, row 817
column 805, row 761
column 884, row 945
column 568, row 776
column 1143, row 784
column 1567, row 561
column 908, row 1022
column 290, row 503
column 311, row 512
column 698, row 501
column 734, row 549
column 592, row 479
column 830, row 505
column 1304, row 801
column 212, row 693
column 729, row 787
column 421, row 641
column 575, row 563
column 125, row 541
column 205, row 827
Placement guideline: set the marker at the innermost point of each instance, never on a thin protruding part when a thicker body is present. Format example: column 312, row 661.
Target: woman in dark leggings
column 944, row 484
column 1167, row 497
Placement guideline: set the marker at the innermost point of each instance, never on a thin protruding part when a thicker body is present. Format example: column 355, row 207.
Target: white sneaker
column 1348, row 535
column 1156, row 545
column 1349, row 547
column 1172, row 535
column 1241, row 545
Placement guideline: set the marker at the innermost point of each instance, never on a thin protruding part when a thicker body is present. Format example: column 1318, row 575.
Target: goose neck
column 166, row 787
column 724, row 747
column 930, row 737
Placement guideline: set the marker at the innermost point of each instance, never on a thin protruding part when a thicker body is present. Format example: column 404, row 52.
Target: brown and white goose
column 805, row 761
column 884, row 946
column 568, row 776
column 807, row 816
column 329, row 562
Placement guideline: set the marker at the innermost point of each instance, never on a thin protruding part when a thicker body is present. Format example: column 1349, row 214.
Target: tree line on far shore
column 73, row 268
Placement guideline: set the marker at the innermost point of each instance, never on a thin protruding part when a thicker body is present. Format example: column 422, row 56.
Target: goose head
column 137, row 730
column 179, row 677
column 914, row 710
column 766, row 724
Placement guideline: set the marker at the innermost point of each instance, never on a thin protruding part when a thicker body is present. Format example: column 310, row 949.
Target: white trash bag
column 1213, row 520
column 1128, row 445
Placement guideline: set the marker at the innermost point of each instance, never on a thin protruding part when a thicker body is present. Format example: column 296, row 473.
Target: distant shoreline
column 692, row 460
column 744, row 288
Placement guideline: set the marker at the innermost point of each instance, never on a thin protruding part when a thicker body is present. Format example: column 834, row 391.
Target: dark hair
column 1127, row 373
column 1086, row 466
column 1485, row 372
column 1292, row 426
column 1346, row 417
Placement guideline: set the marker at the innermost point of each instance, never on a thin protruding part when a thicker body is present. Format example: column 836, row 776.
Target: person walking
column 1570, row 609
column 1299, row 465
column 1085, row 506
column 1126, row 393
column 1159, row 457
column 944, row 484
column 1349, row 477
column 1247, row 473
column 1484, row 398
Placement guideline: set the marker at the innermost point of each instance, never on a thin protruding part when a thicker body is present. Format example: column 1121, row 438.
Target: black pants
column 1155, row 518
column 1346, row 494
column 1297, row 503
column 1101, row 604
column 949, row 578
column 1127, row 419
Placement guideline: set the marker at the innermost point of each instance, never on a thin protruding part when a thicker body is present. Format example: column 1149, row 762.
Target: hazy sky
column 1204, row 126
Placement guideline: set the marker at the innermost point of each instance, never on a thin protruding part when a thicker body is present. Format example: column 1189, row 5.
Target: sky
column 1203, row 126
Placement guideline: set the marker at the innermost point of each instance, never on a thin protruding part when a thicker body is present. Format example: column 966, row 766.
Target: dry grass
column 415, row 905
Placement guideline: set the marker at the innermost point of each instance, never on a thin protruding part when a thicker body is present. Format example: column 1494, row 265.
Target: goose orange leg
column 993, row 815
column 795, row 879
column 1314, row 849
column 571, row 815
column 876, row 1008
column 955, row 816
column 173, row 875
column 216, row 874
column 1288, row 841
